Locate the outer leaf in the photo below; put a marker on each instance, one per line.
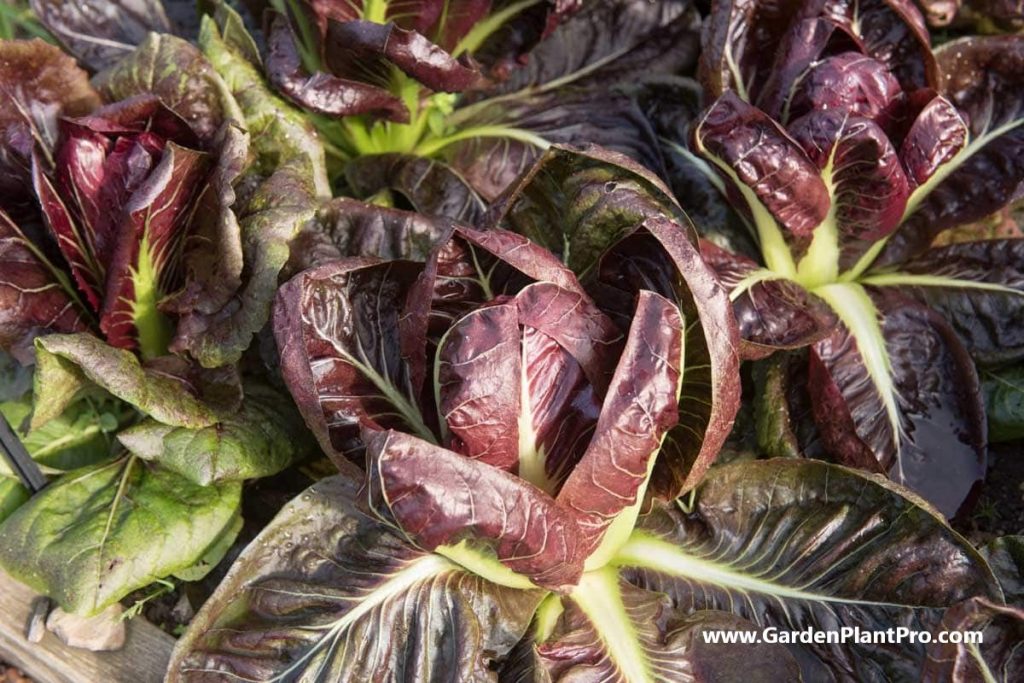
(175, 71)
(574, 89)
(900, 396)
(979, 288)
(81, 436)
(799, 543)
(337, 328)
(69, 363)
(997, 658)
(99, 32)
(258, 441)
(314, 593)
(432, 188)
(577, 202)
(639, 410)
(1006, 557)
(38, 83)
(983, 78)
(440, 499)
(614, 631)
(353, 45)
(35, 297)
(290, 175)
(347, 227)
(99, 533)
(12, 496)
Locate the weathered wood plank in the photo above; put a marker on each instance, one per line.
(142, 660)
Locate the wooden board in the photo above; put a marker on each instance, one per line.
(142, 660)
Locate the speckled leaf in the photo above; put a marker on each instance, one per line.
(259, 440)
(99, 533)
(69, 363)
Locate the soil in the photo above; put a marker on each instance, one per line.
(10, 674)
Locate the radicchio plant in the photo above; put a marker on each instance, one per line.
(479, 88)
(847, 156)
(510, 418)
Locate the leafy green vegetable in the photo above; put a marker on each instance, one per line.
(100, 532)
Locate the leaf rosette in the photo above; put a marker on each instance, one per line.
(846, 157)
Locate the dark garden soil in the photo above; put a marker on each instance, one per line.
(1000, 508)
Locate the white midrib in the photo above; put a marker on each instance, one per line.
(599, 597)
(773, 245)
(417, 571)
(855, 309)
(645, 551)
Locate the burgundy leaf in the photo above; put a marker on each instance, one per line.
(38, 83)
(155, 219)
(337, 329)
(478, 375)
(757, 153)
(322, 92)
(990, 322)
(638, 411)
(1002, 633)
(438, 497)
(350, 44)
(34, 296)
(869, 189)
(938, 133)
(773, 313)
(851, 84)
(936, 446)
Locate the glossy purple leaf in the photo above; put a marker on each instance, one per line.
(438, 497)
(155, 219)
(984, 78)
(989, 321)
(640, 408)
(937, 135)
(322, 92)
(850, 83)
(999, 651)
(868, 187)
(935, 444)
(772, 313)
(351, 45)
(752, 152)
(338, 332)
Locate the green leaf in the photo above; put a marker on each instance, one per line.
(1003, 390)
(80, 436)
(258, 440)
(792, 543)
(12, 496)
(215, 553)
(326, 593)
(288, 178)
(69, 364)
(175, 71)
(101, 532)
